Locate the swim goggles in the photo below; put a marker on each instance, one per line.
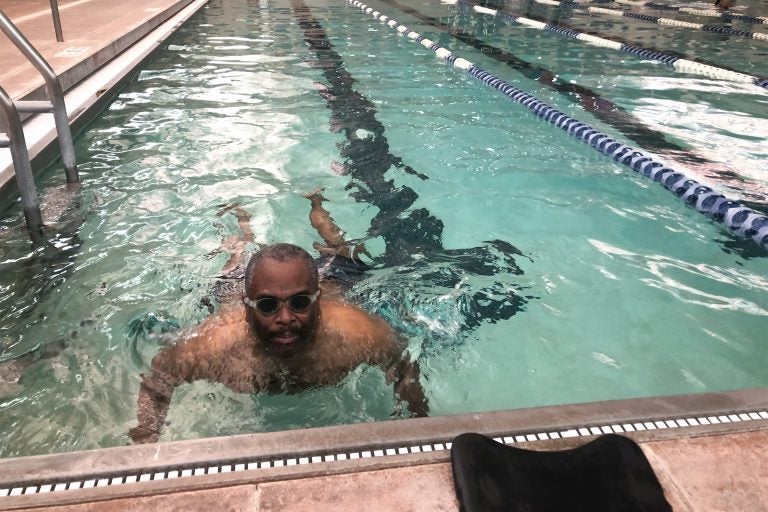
(268, 306)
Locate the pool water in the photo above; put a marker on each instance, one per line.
(524, 267)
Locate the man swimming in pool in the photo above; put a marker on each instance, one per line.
(291, 332)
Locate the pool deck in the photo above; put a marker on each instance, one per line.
(94, 32)
(104, 40)
(703, 467)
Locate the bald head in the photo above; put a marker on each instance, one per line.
(280, 252)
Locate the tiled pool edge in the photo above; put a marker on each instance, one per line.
(257, 458)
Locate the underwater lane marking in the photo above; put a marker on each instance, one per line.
(739, 219)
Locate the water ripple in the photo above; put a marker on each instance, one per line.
(711, 286)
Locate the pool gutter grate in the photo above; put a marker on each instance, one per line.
(508, 438)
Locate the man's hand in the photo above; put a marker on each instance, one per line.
(143, 435)
(408, 386)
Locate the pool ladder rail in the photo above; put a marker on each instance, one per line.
(14, 139)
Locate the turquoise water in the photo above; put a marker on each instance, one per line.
(524, 268)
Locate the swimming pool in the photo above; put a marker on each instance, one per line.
(514, 257)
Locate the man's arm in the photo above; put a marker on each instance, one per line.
(359, 337)
(154, 397)
(398, 365)
(195, 356)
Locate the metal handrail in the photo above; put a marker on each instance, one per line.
(56, 21)
(54, 93)
(21, 165)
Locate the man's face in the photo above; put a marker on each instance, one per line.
(285, 332)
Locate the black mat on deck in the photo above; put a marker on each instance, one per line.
(610, 473)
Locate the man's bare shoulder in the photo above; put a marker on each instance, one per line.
(221, 330)
(348, 317)
(362, 333)
(222, 333)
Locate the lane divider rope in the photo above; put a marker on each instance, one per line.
(656, 19)
(711, 13)
(740, 219)
(678, 63)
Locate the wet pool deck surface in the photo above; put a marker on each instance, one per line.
(702, 469)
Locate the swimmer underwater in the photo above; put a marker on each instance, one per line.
(291, 331)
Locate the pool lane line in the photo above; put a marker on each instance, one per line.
(741, 220)
(658, 20)
(710, 13)
(603, 109)
(585, 430)
(678, 63)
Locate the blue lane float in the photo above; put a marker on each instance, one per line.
(657, 19)
(680, 64)
(712, 13)
(740, 219)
